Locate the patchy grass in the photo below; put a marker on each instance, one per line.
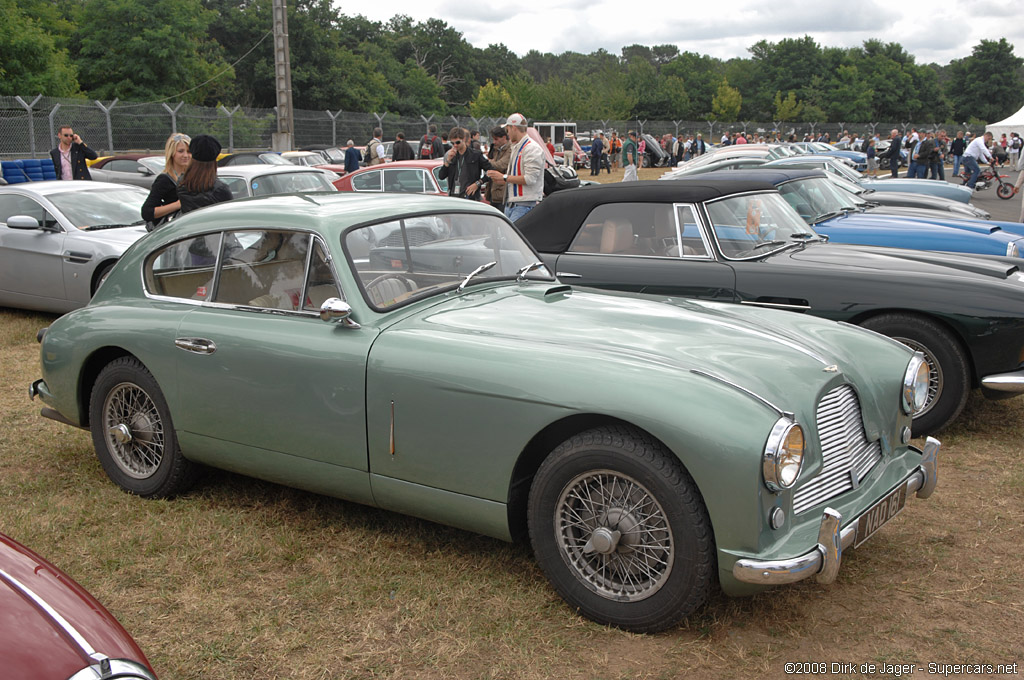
(245, 579)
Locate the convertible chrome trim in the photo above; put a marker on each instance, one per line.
(823, 561)
(775, 305)
(742, 389)
(1005, 382)
(49, 611)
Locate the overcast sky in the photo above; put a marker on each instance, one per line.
(931, 30)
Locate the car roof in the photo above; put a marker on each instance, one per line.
(415, 163)
(328, 211)
(552, 225)
(250, 171)
(51, 187)
(774, 175)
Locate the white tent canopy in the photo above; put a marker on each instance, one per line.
(1014, 123)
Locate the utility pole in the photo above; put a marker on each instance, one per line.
(284, 138)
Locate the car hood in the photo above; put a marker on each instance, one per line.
(120, 235)
(917, 218)
(767, 352)
(926, 263)
(33, 641)
(968, 236)
(920, 186)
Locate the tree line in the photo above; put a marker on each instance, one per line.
(212, 51)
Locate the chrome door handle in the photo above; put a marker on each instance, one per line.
(196, 345)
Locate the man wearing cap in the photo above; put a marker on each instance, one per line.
(525, 175)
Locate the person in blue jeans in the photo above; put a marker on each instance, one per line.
(977, 151)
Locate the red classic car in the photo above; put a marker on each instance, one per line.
(406, 177)
(50, 627)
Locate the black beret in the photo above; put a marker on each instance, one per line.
(204, 148)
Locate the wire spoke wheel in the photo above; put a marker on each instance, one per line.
(134, 430)
(935, 380)
(615, 535)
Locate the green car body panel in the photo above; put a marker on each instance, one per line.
(443, 407)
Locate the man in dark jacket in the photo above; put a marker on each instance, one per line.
(352, 157)
(402, 151)
(431, 146)
(463, 167)
(893, 152)
(596, 151)
(70, 155)
(924, 155)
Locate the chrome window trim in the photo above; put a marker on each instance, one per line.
(703, 226)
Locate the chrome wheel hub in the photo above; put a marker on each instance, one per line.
(614, 535)
(135, 435)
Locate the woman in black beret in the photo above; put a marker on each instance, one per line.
(199, 185)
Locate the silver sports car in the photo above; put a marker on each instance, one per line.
(59, 239)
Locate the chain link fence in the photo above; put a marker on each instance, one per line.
(28, 126)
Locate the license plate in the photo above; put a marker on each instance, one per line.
(882, 511)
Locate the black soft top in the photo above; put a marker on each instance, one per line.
(551, 226)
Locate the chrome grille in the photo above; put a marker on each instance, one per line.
(844, 447)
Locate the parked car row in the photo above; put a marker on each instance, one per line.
(667, 403)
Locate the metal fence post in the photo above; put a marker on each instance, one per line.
(174, 115)
(31, 123)
(380, 120)
(334, 126)
(53, 112)
(426, 123)
(110, 130)
(231, 126)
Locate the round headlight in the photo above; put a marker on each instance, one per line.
(915, 385)
(1012, 250)
(783, 455)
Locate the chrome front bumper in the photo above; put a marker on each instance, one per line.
(823, 561)
(1005, 382)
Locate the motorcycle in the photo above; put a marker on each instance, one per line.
(985, 179)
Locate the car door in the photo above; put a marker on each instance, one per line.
(661, 249)
(127, 171)
(266, 385)
(31, 260)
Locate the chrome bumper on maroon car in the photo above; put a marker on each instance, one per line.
(823, 561)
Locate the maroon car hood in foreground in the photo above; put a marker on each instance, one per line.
(49, 625)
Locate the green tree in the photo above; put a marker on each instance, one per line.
(146, 51)
(491, 100)
(987, 84)
(850, 97)
(32, 62)
(726, 103)
(788, 108)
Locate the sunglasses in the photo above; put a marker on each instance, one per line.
(181, 138)
(456, 142)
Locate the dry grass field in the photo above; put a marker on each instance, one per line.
(243, 579)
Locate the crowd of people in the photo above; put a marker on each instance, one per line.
(510, 173)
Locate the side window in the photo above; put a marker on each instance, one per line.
(184, 269)
(617, 229)
(688, 241)
(367, 181)
(12, 204)
(122, 165)
(236, 185)
(443, 183)
(321, 284)
(262, 268)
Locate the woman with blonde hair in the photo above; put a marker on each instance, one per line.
(162, 201)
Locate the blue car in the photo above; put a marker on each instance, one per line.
(914, 186)
(858, 158)
(833, 213)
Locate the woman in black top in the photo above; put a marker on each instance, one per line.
(199, 186)
(163, 195)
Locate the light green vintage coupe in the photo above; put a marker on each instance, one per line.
(411, 353)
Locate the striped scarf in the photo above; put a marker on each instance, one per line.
(515, 167)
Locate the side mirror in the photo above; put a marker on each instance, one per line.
(23, 222)
(336, 310)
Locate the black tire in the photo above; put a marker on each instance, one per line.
(950, 378)
(614, 479)
(1004, 190)
(133, 434)
(101, 276)
(645, 162)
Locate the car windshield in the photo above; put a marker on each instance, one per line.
(410, 258)
(92, 208)
(154, 163)
(275, 159)
(291, 182)
(335, 154)
(816, 199)
(755, 225)
(307, 159)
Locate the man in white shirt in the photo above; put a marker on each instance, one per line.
(977, 151)
(525, 175)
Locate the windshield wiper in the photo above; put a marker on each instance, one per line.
(829, 215)
(96, 227)
(479, 270)
(523, 271)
